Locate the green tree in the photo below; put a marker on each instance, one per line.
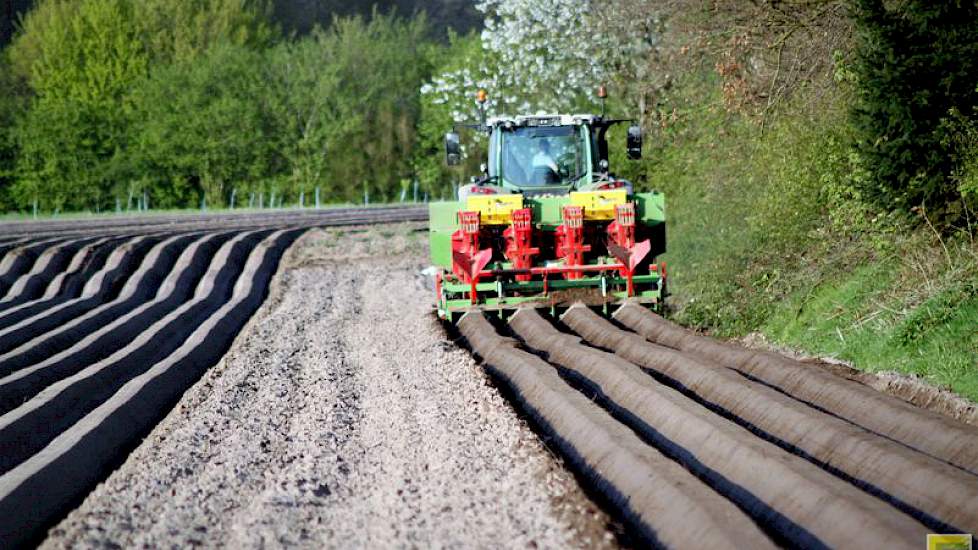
(201, 128)
(310, 117)
(380, 68)
(448, 98)
(12, 106)
(187, 101)
(915, 62)
(182, 30)
(79, 59)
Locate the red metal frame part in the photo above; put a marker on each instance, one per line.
(556, 270)
(622, 245)
(519, 240)
(622, 230)
(570, 240)
(467, 259)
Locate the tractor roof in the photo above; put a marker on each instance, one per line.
(542, 120)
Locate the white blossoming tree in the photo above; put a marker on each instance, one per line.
(536, 55)
(545, 53)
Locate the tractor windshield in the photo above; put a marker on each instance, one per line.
(540, 156)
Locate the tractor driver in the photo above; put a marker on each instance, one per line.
(545, 168)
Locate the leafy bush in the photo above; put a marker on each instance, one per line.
(201, 124)
(915, 61)
(963, 140)
(11, 105)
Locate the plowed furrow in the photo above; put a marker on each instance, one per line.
(48, 265)
(932, 433)
(928, 489)
(220, 222)
(8, 244)
(662, 501)
(105, 323)
(76, 269)
(137, 344)
(50, 481)
(101, 286)
(784, 494)
(88, 264)
(160, 285)
(18, 261)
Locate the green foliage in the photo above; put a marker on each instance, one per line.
(201, 125)
(182, 30)
(66, 149)
(327, 111)
(934, 313)
(963, 140)
(82, 60)
(312, 119)
(88, 51)
(191, 102)
(380, 68)
(769, 234)
(79, 59)
(912, 312)
(915, 61)
(11, 107)
(438, 115)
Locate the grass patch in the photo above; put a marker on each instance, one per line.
(862, 318)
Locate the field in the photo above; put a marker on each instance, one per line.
(280, 380)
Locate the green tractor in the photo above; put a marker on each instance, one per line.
(547, 224)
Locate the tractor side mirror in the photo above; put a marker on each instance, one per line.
(634, 142)
(453, 149)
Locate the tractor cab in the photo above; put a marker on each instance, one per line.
(546, 155)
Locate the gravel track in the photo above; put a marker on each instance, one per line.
(325, 426)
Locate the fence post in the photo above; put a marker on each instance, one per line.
(302, 199)
(261, 200)
(317, 197)
(415, 189)
(35, 208)
(234, 196)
